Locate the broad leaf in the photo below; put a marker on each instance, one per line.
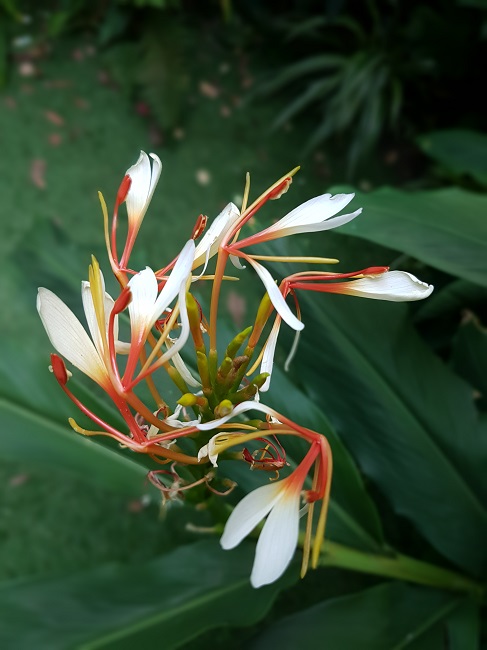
(408, 419)
(443, 228)
(34, 412)
(460, 151)
(167, 601)
(470, 354)
(391, 616)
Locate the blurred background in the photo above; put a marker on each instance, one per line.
(362, 95)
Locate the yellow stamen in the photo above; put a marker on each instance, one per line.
(320, 528)
(115, 270)
(308, 260)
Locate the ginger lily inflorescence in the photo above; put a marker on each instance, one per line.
(220, 411)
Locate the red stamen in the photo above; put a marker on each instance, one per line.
(199, 227)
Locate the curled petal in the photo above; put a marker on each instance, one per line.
(395, 286)
(240, 408)
(276, 296)
(269, 351)
(143, 287)
(69, 337)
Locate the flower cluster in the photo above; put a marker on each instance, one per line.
(170, 334)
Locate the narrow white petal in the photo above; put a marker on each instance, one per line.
(276, 297)
(248, 512)
(240, 408)
(156, 174)
(68, 336)
(185, 329)
(395, 286)
(319, 227)
(178, 277)
(143, 287)
(181, 367)
(215, 233)
(137, 196)
(237, 262)
(313, 211)
(277, 541)
(90, 313)
(269, 351)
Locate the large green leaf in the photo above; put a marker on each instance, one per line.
(470, 354)
(460, 151)
(391, 616)
(34, 412)
(165, 602)
(444, 228)
(408, 419)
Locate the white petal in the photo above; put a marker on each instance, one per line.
(178, 278)
(68, 336)
(396, 286)
(236, 262)
(144, 181)
(215, 233)
(276, 297)
(313, 211)
(248, 512)
(240, 408)
(269, 351)
(277, 541)
(143, 287)
(181, 367)
(210, 450)
(319, 227)
(185, 329)
(90, 313)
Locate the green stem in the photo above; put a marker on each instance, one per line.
(397, 566)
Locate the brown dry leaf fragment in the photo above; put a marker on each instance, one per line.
(209, 90)
(37, 173)
(55, 139)
(54, 118)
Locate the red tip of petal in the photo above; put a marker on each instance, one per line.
(123, 190)
(59, 369)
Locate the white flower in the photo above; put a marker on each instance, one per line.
(279, 536)
(144, 179)
(211, 240)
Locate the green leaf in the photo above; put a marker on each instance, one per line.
(391, 616)
(464, 626)
(453, 298)
(469, 356)
(34, 412)
(409, 421)
(461, 151)
(443, 228)
(169, 600)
